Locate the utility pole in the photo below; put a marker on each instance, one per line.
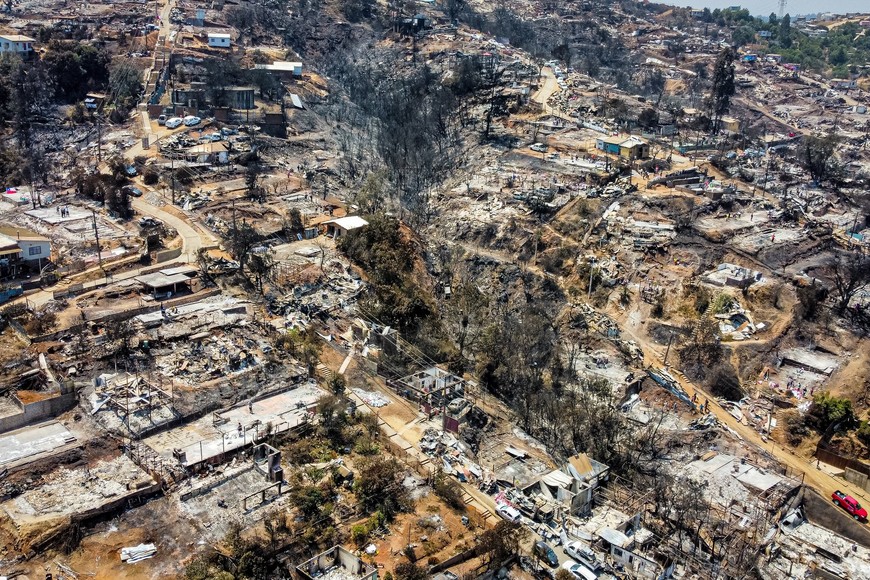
(172, 171)
(99, 141)
(97, 236)
(591, 270)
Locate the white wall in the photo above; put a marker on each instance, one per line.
(221, 42)
(34, 250)
(6, 46)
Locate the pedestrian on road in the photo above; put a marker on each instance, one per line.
(706, 405)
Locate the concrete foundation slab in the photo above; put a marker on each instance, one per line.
(214, 435)
(29, 443)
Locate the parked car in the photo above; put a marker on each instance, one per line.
(133, 191)
(539, 147)
(174, 122)
(190, 120)
(509, 513)
(545, 553)
(850, 504)
(161, 120)
(578, 571)
(149, 222)
(581, 552)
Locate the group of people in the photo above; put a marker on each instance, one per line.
(63, 210)
(705, 408)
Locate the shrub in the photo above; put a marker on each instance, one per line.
(359, 533)
(150, 177)
(828, 411)
(863, 432)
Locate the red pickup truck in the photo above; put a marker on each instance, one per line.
(850, 504)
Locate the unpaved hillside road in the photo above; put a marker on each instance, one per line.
(815, 478)
(546, 90)
(192, 239)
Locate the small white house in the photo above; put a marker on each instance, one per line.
(16, 43)
(218, 40)
(32, 246)
(282, 67)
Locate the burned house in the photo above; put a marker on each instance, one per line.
(433, 387)
(336, 564)
(572, 487)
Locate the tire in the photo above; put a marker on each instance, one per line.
(856, 518)
(835, 502)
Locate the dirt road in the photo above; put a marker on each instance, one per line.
(192, 239)
(812, 476)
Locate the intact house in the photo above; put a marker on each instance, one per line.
(219, 40)
(339, 227)
(23, 247)
(627, 148)
(16, 43)
(281, 68)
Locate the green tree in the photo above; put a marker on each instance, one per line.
(785, 31)
(337, 384)
(817, 154)
(723, 86)
(838, 56)
(830, 413)
(743, 35)
(125, 84)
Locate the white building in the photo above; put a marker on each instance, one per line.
(31, 246)
(282, 67)
(16, 43)
(217, 40)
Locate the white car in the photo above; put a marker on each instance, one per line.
(509, 513)
(539, 147)
(190, 120)
(581, 552)
(578, 571)
(173, 122)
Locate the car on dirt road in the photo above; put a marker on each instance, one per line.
(191, 120)
(174, 122)
(545, 553)
(850, 504)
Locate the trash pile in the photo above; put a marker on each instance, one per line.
(454, 460)
(371, 399)
(138, 553)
